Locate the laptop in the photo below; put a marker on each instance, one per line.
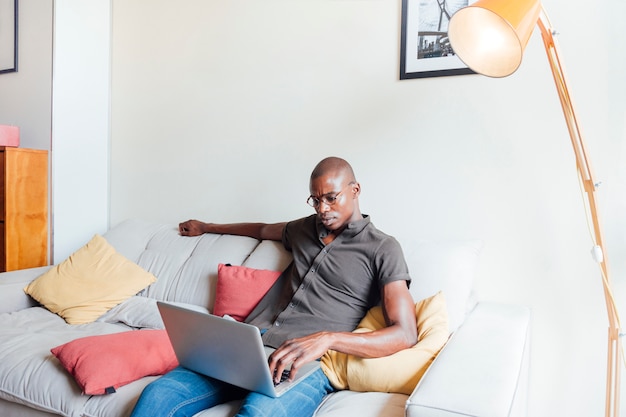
(224, 349)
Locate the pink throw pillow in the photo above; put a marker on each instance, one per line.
(239, 289)
(101, 364)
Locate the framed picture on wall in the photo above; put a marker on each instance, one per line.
(425, 47)
(8, 36)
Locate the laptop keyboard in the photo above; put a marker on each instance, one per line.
(283, 377)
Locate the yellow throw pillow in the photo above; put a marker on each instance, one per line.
(401, 371)
(89, 283)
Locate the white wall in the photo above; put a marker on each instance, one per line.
(80, 157)
(25, 95)
(220, 110)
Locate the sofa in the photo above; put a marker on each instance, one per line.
(482, 370)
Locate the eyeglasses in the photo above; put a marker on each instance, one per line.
(327, 199)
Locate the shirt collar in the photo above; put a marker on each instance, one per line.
(353, 228)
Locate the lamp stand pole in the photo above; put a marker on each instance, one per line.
(585, 173)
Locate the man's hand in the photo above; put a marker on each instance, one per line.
(297, 352)
(191, 228)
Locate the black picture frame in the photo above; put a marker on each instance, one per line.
(8, 35)
(425, 50)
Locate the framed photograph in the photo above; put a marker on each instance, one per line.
(425, 47)
(8, 36)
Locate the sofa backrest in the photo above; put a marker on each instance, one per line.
(447, 266)
(186, 267)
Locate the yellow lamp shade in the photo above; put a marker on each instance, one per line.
(490, 35)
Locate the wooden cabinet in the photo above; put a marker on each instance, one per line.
(23, 208)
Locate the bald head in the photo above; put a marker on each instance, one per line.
(334, 166)
(335, 194)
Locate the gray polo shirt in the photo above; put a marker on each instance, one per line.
(328, 287)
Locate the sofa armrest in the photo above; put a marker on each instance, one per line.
(482, 370)
(12, 296)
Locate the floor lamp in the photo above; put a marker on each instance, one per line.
(490, 36)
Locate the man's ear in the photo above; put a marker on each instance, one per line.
(356, 189)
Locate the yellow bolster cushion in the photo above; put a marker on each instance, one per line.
(401, 371)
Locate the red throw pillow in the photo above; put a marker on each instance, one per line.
(101, 364)
(239, 289)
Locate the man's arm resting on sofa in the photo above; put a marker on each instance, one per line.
(483, 369)
(12, 296)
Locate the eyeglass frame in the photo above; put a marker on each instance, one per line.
(326, 199)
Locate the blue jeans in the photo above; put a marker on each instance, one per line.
(182, 392)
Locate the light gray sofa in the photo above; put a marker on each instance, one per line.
(482, 370)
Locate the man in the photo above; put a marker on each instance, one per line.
(342, 266)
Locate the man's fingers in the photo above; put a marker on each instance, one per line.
(279, 360)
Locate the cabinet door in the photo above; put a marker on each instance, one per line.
(25, 208)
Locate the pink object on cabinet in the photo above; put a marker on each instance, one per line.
(9, 135)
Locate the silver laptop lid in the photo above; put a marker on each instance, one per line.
(223, 349)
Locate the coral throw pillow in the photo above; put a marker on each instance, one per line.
(239, 289)
(101, 364)
(401, 371)
(89, 283)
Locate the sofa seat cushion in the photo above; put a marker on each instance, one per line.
(120, 404)
(29, 373)
(362, 404)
